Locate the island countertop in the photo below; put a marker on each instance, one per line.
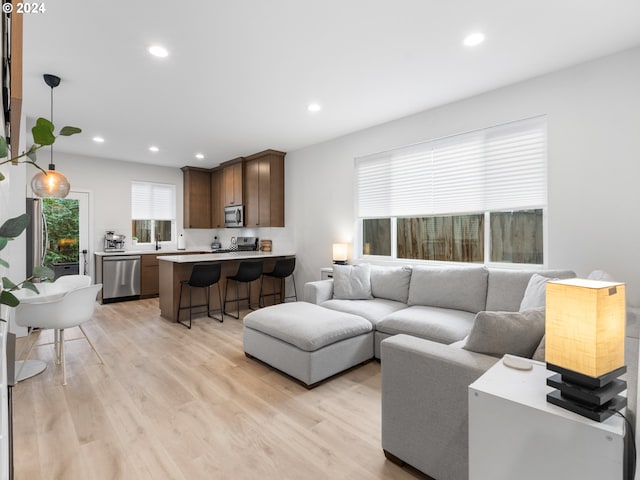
(215, 257)
(173, 269)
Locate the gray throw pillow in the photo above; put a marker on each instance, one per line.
(540, 351)
(352, 282)
(498, 333)
(535, 296)
(390, 282)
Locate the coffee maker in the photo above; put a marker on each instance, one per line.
(113, 242)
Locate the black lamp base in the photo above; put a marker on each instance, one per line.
(339, 262)
(592, 397)
(599, 414)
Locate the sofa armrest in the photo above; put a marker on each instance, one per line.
(425, 403)
(318, 292)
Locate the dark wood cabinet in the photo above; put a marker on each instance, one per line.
(217, 198)
(256, 182)
(232, 182)
(197, 197)
(149, 276)
(264, 189)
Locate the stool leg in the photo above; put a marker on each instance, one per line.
(282, 290)
(64, 363)
(221, 319)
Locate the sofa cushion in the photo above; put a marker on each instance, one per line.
(352, 282)
(506, 287)
(391, 283)
(442, 325)
(459, 288)
(498, 333)
(373, 310)
(535, 295)
(305, 325)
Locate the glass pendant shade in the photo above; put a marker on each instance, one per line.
(50, 184)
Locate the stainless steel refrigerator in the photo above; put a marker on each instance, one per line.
(36, 234)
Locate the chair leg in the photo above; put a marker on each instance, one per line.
(221, 319)
(293, 281)
(64, 363)
(226, 300)
(91, 344)
(282, 290)
(180, 309)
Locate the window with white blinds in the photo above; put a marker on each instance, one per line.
(153, 201)
(476, 197)
(497, 168)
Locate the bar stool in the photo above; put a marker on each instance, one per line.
(283, 268)
(203, 275)
(247, 273)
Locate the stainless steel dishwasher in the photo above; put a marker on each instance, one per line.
(120, 277)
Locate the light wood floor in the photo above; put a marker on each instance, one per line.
(173, 403)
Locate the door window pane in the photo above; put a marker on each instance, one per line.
(63, 231)
(376, 236)
(516, 237)
(455, 238)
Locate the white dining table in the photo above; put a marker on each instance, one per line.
(47, 292)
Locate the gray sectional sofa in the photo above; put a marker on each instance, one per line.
(437, 303)
(421, 317)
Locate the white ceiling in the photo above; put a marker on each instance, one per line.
(240, 74)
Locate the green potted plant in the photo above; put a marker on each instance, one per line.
(43, 135)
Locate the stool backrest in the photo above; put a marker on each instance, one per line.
(284, 267)
(205, 274)
(249, 271)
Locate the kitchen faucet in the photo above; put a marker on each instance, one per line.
(158, 247)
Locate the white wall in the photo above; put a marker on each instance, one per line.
(593, 113)
(109, 184)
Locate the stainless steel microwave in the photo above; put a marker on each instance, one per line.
(234, 216)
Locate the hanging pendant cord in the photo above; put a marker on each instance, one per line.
(51, 165)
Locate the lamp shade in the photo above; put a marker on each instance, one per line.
(50, 184)
(340, 253)
(585, 326)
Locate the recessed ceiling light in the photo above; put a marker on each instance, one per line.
(154, 149)
(158, 51)
(98, 139)
(474, 39)
(199, 156)
(314, 107)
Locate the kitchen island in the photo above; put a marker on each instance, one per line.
(175, 268)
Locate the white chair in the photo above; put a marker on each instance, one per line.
(70, 282)
(71, 310)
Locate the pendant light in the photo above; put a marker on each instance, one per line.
(50, 184)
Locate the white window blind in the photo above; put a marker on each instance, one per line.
(497, 168)
(153, 201)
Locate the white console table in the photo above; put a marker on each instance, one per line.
(515, 433)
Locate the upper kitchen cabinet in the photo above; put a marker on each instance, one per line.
(197, 197)
(264, 189)
(232, 182)
(217, 198)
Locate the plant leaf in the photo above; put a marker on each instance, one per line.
(4, 263)
(8, 298)
(2, 177)
(3, 242)
(43, 132)
(3, 147)
(14, 226)
(41, 271)
(31, 155)
(8, 284)
(67, 131)
(30, 286)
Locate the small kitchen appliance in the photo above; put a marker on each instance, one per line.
(234, 216)
(113, 242)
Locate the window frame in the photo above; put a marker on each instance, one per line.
(358, 246)
(174, 231)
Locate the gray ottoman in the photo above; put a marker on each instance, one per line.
(308, 342)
